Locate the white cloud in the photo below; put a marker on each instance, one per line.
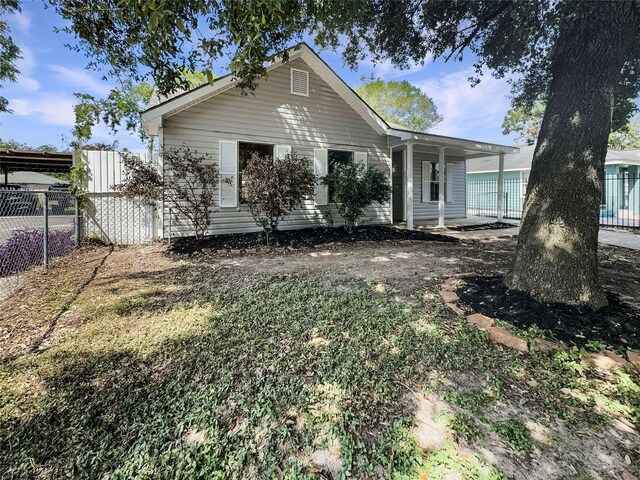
(79, 77)
(386, 70)
(468, 109)
(28, 84)
(26, 66)
(51, 108)
(21, 20)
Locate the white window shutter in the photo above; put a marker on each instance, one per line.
(321, 167)
(228, 173)
(449, 168)
(281, 151)
(426, 181)
(361, 157)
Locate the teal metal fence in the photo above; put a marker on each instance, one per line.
(620, 205)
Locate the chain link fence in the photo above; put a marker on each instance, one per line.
(35, 226)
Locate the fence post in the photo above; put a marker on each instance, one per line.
(500, 205)
(77, 213)
(45, 236)
(506, 203)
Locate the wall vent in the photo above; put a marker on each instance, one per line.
(299, 82)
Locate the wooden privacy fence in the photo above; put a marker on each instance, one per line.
(108, 216)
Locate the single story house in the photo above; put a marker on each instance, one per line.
(303, 105)
(620, 199)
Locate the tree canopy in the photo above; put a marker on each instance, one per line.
(401, 103)
(526, 125)
(121, 108)
(15, 145)
(159, 40)
(9, 51)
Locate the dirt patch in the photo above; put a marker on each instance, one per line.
(303, 238)
(41, 311)
(617, 325)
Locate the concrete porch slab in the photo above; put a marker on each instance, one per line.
(607, 236)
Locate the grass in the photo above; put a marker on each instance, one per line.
(251, 379)
(515, 433)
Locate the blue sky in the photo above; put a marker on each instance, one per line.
(42, 99)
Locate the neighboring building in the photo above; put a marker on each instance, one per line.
(620, 199)
(34, 180)
(303, 105)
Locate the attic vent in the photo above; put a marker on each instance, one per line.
(299, 82)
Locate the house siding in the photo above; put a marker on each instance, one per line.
(456, 208)
(274, 115)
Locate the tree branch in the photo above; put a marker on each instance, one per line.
(479, 26)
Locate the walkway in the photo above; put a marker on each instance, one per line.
(616, 237)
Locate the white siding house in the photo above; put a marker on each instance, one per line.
(302, 105)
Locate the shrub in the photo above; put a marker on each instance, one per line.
(24, 249)
(188, 184)
(354, 187)
(273, 188)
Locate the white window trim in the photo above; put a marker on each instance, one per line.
(353, 160)
(523, 185)
(445, 184)
(291, 82)
(240, 204)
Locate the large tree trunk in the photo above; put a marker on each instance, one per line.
(556, 257)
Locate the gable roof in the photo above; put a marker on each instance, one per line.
(152, 117)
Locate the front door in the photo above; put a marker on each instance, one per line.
(398, 186)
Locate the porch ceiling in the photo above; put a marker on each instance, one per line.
(460, 147)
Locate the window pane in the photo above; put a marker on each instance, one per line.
(435, 188)
(434, 192)
(245, 151)
(337, 157)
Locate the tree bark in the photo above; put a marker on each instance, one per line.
(556, 256)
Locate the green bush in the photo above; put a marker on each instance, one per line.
(273, 188)
(355, 187)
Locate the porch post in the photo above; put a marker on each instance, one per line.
(501, 188)
(392, 186)
(441, 186)
(409, 173)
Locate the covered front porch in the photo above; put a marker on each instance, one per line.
(429, 175)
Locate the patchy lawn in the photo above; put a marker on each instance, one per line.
(326, 363)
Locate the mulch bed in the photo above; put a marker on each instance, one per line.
(303, 238)
(482, 226)
(617, 325)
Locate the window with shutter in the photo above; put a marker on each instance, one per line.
(431, 182)
(339, 157)
(245, 151)
(299, 82)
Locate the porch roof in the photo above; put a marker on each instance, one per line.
(455, 146)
